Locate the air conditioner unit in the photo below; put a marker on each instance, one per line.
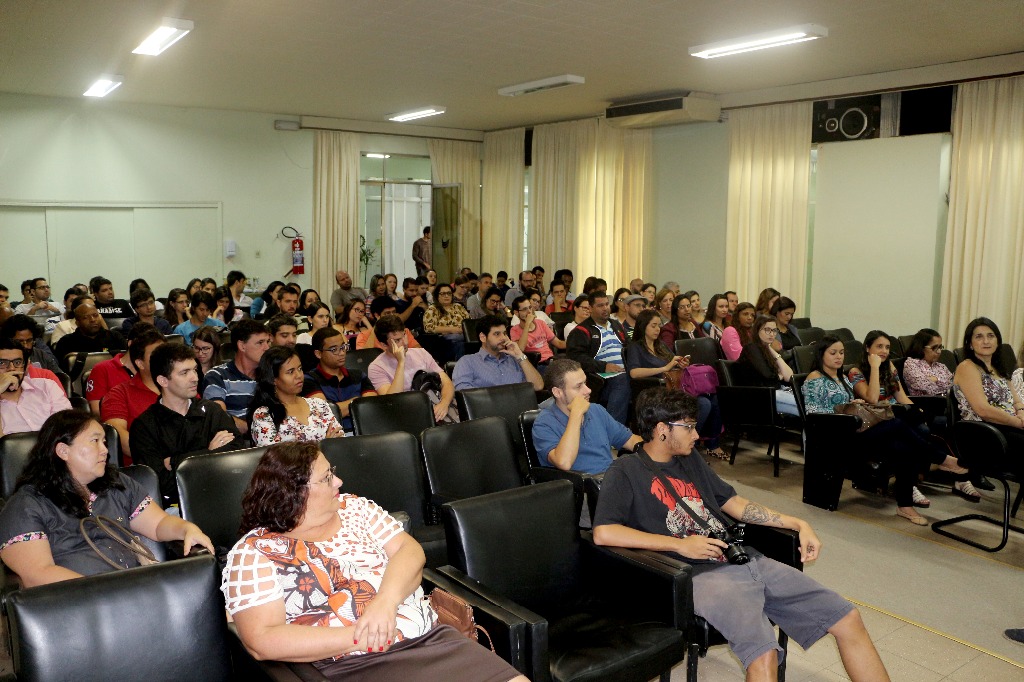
(663, 112)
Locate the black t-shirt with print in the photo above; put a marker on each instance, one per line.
(632, 496)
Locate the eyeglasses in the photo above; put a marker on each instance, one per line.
(937, 347)
(444, 293)
(326, 480)
(43, 286)
(8, 364)
(334, 350)
(770, 331)
(200, 349)
(690, 428)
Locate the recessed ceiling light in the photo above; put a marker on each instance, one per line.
(760, 41)
(104, 85)
(170, 32)
(542, 84)
(413, 114)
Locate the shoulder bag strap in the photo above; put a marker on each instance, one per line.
(645, 458)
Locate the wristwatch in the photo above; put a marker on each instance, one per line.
(523, 357)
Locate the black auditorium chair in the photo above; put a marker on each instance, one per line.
(854, 351)
(800, 323)
(468, 459)
(841, 333)
(14, 452)
(65, 381)
(803, 358)
(508, 402)
(702, 351)
(592, 613)
(75, 630)
(388, 469)
(775, 543)
(210, 488)
(809, 335)
(175, 338)
(78, 403)
(752, 409)
(409, 411)
(77, 368)
(560, 320)
(360, 359)
(1005, 350)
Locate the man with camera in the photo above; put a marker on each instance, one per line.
(662, 499)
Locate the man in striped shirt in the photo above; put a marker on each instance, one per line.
(597, 344)
(232, 384)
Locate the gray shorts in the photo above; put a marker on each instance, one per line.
(739, 601)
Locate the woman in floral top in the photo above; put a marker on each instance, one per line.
(278, 412)
(334, 580)
(983, 391)
(875, 379)
(445, 317)
(68, 478)
(901, 447)
(922, 370)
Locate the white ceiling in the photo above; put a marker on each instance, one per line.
(364, 59)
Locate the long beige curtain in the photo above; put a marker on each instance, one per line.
(453, 161)
(503, 178)
(335, 208)
(984, 256)
(766, 222)
(591, 198)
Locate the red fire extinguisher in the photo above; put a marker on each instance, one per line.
(298, 255)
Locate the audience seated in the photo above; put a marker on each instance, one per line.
(765, 300)
(875, 379)
(237, 281)
(474, 304)
(529, 332)
(581, 311)
(330, 379)
(180, 424)
(499, 360)
(559, 301)
(597, 344)
(287, 303)
(283, 330)
(27, 333)
(698, 312)
(717, 317)
(345, 293)
(571, 433)
(90, 336)
(681, 326)
(761, 365)
(67, 478)
(783, 310)
(144, 304)
(109, 306)
(25, 402)
(412, 306)
(313, 556)
(663, 301)
(366, 339)
(67, 323)
(206, 343)
(200, 315)
(636, 510)
(394, 370)
(444, 317)
(923, 373)
(176, 310)
(231, 384)
(278, 411)
(739, 332)
(318, 316)
(892, 441)
(225, 309)
(127, 400)
(109, 373)
(40, 304)
(265, 301)
(527, 280)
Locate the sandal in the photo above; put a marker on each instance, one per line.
(913, 517)
(919, 499)
(719, 453)
(965, 490)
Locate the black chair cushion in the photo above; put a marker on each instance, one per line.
(14, 452)
(210, 488)
(155, 623)
(469, 459)
(409, 411)
(589, 645)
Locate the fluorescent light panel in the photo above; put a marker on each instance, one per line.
(760, 41)
(377, 156)
(170, 32)
(542, 84)
(412, 115)
(104, 85)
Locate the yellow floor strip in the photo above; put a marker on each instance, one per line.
(936, 632)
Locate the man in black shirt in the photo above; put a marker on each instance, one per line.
(109, 307)
(637, 510)
(89, 337)
(179, 424)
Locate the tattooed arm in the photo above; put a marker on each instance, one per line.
(751, 512)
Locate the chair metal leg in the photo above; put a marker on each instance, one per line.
(666, 676)
(784, 643)
(735, 449)
(692, 655)
(939, 526)
(1017, 501)
(775, 458)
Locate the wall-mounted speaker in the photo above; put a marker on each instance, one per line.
(849, 118)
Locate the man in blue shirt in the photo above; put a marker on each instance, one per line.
(572, 433)
(330, 379)
(499, 361)
(232, 384)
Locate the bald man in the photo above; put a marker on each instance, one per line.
(89, 337)
(345, 293)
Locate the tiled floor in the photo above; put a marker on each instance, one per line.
(910, 653)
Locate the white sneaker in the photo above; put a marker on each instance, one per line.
(919, 499)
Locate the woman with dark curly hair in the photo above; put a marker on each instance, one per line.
(68, 478)
(334, 580)
(278, 411)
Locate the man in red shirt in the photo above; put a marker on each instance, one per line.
(109, 373)
(128, 400)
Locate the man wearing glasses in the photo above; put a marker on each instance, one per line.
(41, 304)
(25, 403)
(330, 379)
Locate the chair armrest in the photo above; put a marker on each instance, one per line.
(248, 668)
(545, 474)
(506, 630)
(837, 423)
(932, 405)
(780, 544)
(660, 587)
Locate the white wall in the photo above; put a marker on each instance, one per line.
(691, 186)
(78, 151)
(878, 234)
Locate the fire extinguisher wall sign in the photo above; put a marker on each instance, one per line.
(298, 258)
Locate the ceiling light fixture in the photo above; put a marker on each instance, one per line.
(543, 84)
(412, 115)
(170, 32)
(760, 41)
(104, 85)
(377, 156)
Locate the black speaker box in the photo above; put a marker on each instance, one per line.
(928, 110)
(849, 118)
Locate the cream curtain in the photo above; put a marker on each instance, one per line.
(591, 198)
(983, 273)
(452, 161)
(503, 178)
(335, 209)
(766, 223)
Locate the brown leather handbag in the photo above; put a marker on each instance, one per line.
(452, 610)
(870, 415)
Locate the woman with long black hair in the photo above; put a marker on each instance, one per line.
(278, 412)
